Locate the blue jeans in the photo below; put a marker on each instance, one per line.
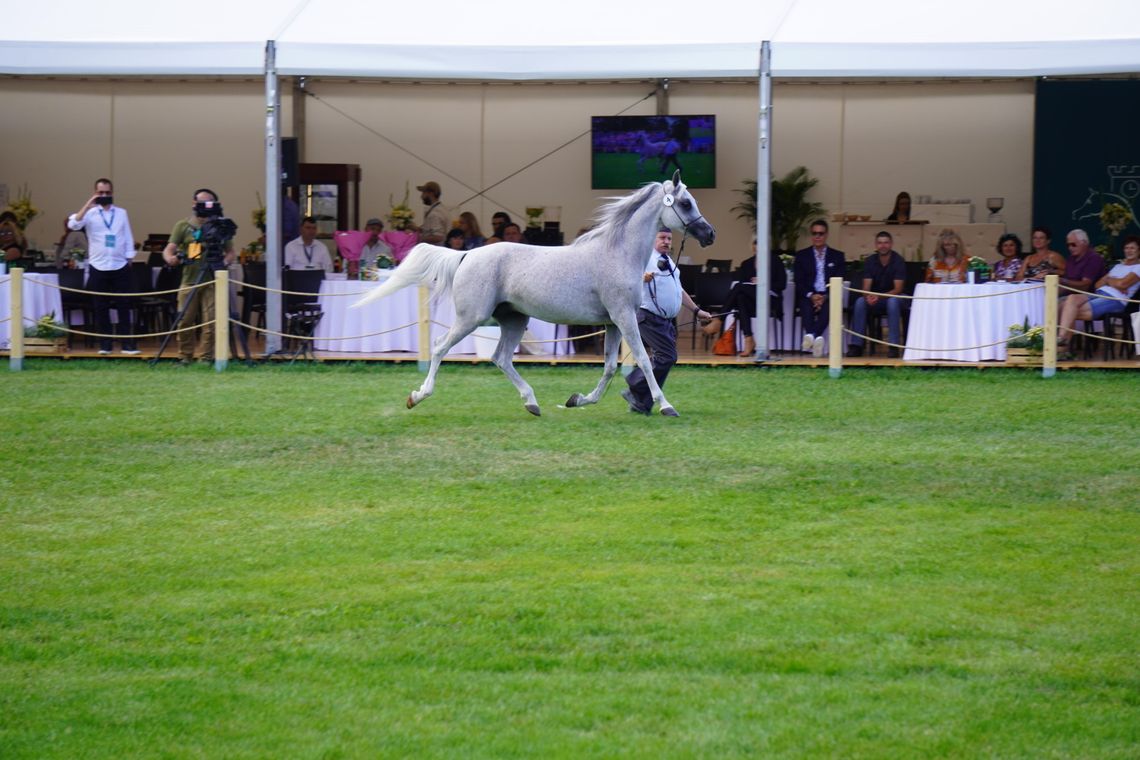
(893, 309)
(1101, 306)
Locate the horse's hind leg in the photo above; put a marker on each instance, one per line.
(612, 349)
(512, 326)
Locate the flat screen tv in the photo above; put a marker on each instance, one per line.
(628, 151)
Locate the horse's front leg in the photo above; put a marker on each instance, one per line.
(612, 345)
(627, 323)
(453, 336)
(512, 328)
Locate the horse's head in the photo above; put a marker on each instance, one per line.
(679, 211)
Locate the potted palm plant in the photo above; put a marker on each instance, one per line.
(790, 208)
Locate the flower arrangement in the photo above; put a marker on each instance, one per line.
(46, 327)
(1113, 219)
(1024, 336)
(22, 208)
(980, 267)
(534, 216)
(401, 216)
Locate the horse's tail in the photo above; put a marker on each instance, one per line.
(425, 265)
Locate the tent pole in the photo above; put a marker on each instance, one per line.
(273, 245)
(763, 204)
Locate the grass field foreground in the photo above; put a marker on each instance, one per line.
(285, 562)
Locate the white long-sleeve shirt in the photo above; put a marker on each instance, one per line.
(110, 244)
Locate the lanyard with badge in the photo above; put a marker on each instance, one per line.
(109, 238)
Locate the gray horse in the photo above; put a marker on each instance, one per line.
(595, 280)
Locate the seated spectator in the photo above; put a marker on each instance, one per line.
(306, 252)
(455, 239)
(499, 219)
(1084, 266)
(472, 235)
(512, 233)
(901, 211)
(1122, 281)
(1042, 261)
(742, 299)
(374, 246)
(883, 272)
(950, 260)
(71, 243)
(813, 268)
(12, 243)
(1009, 265)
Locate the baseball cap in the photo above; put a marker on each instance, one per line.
(431, 186)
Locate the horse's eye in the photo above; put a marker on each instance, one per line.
(686, 204)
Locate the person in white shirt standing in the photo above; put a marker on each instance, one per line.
(110, 249)
(306, 252)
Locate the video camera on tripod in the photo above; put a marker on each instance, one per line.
(215, 234)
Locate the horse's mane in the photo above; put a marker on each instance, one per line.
(612, 217)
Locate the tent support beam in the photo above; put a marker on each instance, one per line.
(764, 204)
(273, 246)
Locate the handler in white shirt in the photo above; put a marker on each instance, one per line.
(110, 249)
(305, 252)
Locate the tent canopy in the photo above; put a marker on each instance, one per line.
(591, 39)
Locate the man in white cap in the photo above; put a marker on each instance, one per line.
(435, 226)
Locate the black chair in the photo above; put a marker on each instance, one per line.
(253, 298)
(73, 297)
(1124, 319)
(302, 308)
(711, 294)
(688, 274)
(718, 265)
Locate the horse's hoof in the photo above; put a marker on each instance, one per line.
(411, 401)
(533, 409)
(575, 400)
(669, 411)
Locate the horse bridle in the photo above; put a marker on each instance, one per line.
(668, 202)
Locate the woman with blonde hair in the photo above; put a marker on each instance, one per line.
(950, 260)
(472, 235)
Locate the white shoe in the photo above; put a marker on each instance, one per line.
(817, 347)
(806, 343)
(104, 352)
(130, 351)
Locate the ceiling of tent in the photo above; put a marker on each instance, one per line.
(517, 40)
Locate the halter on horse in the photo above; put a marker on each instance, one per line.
(594, 280)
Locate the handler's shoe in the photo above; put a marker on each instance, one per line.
(627, 394)
(817, 347)
(806, 343)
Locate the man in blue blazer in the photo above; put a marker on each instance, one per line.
(814, 266)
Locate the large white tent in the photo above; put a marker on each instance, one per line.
(513, 40)
(589, 39)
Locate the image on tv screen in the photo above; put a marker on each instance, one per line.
(628, 151)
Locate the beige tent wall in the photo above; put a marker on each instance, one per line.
(160, 140)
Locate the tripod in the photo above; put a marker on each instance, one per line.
(207, 266)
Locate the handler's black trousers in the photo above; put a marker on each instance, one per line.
(660, 338)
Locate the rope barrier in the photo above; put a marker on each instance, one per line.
(146, 294)
(940, 298)
(1098, 295)
(916, 348)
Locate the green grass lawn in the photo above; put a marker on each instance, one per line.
(284, 562)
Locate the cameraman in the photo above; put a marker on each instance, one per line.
(187, 247)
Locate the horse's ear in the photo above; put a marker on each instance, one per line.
(677, 178)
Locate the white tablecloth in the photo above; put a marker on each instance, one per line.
(937, 327)
(399, 310)
(38, 301)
